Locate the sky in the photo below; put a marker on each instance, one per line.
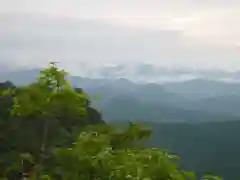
(195, 33)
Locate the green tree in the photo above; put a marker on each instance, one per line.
(48, 112)
(50, 141)
(96, 155)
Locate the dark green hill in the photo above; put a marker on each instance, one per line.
(129, 108)
(206, 147)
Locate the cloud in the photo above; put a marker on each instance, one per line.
(111, 71)
(33, 39)
(206, 21)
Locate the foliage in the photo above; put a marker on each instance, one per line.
(51, 93)
(48, 138)
(44, 114)
(95, 155)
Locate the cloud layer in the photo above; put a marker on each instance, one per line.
(172, 34)
(31, 39)
(205, 20)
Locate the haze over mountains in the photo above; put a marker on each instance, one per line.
(125, 66)
(121, 99)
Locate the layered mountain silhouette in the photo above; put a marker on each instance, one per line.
(121, 99)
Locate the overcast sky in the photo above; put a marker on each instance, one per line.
(208, 28)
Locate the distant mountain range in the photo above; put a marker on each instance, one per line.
(151, 72)
(121, 99)
(184, 117)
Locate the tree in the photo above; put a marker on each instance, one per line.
(62, 147)
(49, 111)
(96, 155)
(103, 152)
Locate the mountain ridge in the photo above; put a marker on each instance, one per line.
(162, 103)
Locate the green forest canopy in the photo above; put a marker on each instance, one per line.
(49, 131)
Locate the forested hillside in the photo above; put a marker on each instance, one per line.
(204, 148)
(211, 147)
(48, 132)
